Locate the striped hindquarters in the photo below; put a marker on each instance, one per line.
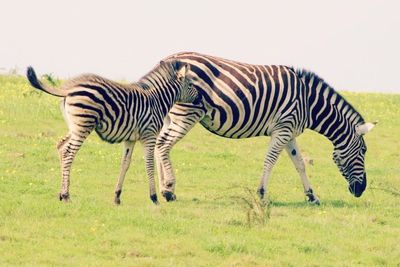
(112, 110)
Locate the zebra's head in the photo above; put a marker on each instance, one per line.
(180, 73)
(350, 160)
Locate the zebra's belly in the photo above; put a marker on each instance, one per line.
(242, 129)
(238, 118)
(253, 121)
(239, 132)
(109, 132)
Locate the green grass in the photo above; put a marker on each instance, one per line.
(208, 225)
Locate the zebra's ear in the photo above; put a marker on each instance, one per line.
(163, 64)
(183, 69)
(365, 127)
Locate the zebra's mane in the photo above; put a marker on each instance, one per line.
(97, 79)
(308, 75)
(145, 83)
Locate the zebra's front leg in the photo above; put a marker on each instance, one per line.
(165, 171)
(149, 145)
(294, 153)
(166, 140)
(182, 120)
(126, 161)
(161, 177)
(278, 141)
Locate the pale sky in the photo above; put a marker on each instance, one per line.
(354, 45)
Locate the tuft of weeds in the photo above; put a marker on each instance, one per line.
(49, 77)
(388, 189)
(257, 211)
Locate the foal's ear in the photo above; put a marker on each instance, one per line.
(365, 127)
(163, 64)
(183, 70)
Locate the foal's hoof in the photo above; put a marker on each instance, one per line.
(117, 201)
(64, 197)
(154, 199)
(169, 196)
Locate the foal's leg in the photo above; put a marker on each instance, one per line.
(67, 149)
(126, 161)
(294, 153)
(149, 144)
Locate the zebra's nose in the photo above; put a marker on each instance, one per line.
(357, 188)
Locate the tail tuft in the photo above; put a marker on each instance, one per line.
(31, 75)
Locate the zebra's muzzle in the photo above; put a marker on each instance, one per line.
(357, 188)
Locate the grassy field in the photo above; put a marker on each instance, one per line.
(208, 225)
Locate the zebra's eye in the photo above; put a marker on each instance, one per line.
(335, 157)
(338, 160)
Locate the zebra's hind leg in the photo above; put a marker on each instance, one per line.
(67, 149)
(278, 141)
(62, 142)
(126, 161)
(294, 153)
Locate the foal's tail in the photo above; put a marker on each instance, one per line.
(31, 75)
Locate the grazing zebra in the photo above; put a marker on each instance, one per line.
(242, 100)
(118, 113)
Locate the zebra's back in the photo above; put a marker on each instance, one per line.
(114, 110)
(243, 100)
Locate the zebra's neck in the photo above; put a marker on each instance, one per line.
(161, 89)
(329, 113)
(163, 98)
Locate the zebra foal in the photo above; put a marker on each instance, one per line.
(118, 113)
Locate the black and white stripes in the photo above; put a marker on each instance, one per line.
(242, 100)
(332, 116)
(230, 99)
(118, 113)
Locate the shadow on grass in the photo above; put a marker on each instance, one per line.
(229, 200)
(304, 204)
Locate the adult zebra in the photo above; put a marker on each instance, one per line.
(242, 100)
(118, 113)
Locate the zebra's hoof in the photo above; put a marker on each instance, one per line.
(312, 199)
(261, 193)
(117, 201)
(64, 197)
(315, 201)
(169, 196)
(154, 199)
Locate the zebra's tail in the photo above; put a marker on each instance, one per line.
(31, 75)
